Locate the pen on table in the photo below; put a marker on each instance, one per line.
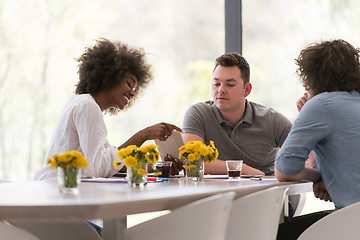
(163, 179)
(154, 179)
(256, 178)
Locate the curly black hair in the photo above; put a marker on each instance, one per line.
(105, 64)
(329, 66)
(235, 59)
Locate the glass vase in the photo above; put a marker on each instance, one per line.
(135, 179)
(196, 173)
(69, 179)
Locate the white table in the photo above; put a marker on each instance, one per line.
(42, 201)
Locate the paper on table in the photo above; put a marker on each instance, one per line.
(215, 176)
(171, 145)
(104, 180)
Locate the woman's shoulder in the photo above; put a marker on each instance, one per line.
(82, 102)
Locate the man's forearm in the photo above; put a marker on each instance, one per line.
(309, 174)
(219, 168)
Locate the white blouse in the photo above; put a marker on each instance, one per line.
(81, 127)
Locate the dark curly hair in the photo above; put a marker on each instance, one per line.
(234, 59)
(105, 64)
(329, 66)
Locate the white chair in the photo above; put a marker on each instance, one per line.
(257, 215)
(8, 231)
(341, 224)
(61, 231)
(205, 219)
(297, 203)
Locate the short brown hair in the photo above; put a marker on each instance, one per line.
(329, 66)
(105, 64)
(235, 59)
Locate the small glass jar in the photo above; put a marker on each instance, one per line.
(196, 173)
(135, 179)
(69, 179)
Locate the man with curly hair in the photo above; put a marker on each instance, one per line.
(328, 125)
(111, 75)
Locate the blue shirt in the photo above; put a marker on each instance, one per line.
(329, 124)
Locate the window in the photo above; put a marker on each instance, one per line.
(40, 39)
(274, 33)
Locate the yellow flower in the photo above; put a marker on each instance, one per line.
(144, 149)
(142, 171)
(48, 161)
(216, 154)
(182, 148)
(52, 163)
(157, 173)
(65, 158)
(190, 146)
(189, 166)
(129, 149)
(53, 160)
(80, 162)
(197, 145)
(212, 144)
(152, 147)
(152, 157)
(130, 161)
(197, 155)
(121, 153)
(136, 157)
(115, 164)
(191, 157)
(210, 149)
(182, 152)
(204, 150)
(71, 159)
(196, 150)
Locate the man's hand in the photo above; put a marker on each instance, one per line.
(176, 165)
(320, 191)
(300, 103)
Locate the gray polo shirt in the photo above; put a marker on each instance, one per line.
(256, 139)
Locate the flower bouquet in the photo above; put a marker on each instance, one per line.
(69, 174)
(196, 154)
(136, 160)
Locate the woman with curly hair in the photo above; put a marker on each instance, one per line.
(111, 75)
(328, 125)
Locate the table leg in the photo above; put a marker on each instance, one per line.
(114, 229)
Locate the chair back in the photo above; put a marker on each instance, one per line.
(205, 219)
(61, 231)
(8, 231)
(341, 224)
(256, 216)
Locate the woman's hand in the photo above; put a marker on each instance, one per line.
(159, 131)
(176, 165)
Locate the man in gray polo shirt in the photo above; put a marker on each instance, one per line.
(239, 128)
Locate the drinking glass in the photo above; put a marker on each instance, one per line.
(234, 168)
